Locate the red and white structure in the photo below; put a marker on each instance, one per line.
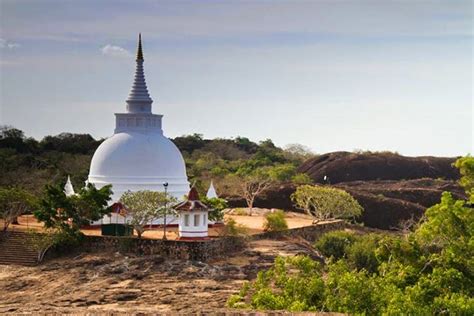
(192, 218)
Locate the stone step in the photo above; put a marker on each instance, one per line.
(14, 249)
(19, 255)
(17, 251)
(32, 258)
(28, 262)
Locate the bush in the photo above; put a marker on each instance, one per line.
(275, 221)
(240, 211)
(232, 228)
(301, 178)
(334, 244)
(361, 254)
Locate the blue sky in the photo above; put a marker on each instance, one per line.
(331, 75)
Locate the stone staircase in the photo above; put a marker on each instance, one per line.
(14, 249)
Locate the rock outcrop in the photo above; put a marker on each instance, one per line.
(345, 166)
(391, 188)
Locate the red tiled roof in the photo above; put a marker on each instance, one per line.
(192, 203)
(193, 195)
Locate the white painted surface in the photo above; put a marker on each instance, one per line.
(211, 192)
(193, 229)
(68, 188)
(138, 156)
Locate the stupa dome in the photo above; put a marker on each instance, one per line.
(138, 156)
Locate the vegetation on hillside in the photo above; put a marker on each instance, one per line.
(427, 271)
(31, 164)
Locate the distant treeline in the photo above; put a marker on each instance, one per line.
(29, 163)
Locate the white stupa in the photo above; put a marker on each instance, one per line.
(211, 192)
(68, 188)
(138, 156)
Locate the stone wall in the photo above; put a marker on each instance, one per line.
(174, 249)
(200, 250)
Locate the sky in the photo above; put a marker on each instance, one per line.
(331, 75)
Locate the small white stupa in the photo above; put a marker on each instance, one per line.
(68, 188)
(193, 217)
(138, 156)
(211, 192)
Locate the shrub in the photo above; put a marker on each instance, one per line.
(301, 178)
(361, 254)
(349, 291)
(275, 221)
(240, 211)
(334, 244)
(232, 228)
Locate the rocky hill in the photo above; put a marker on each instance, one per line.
(345, 166)
(391, 188)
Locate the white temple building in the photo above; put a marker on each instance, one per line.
(193, 218)
(138, 156)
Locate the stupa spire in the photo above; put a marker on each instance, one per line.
(140, 50)
(139, 100)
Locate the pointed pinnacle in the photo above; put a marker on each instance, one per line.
(140, 50)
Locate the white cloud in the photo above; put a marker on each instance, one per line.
(116, 51)
(7, 44)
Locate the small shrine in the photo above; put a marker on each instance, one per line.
(211, 193)
(68, 188)
(193, 217)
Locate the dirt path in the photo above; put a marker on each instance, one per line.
(111, 282)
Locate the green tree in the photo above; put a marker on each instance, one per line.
(216, 206)
(145, 206)
(335, 244)
(282, 172)
(69, 213)
(13, 203)
(466, 168)
(324, 203)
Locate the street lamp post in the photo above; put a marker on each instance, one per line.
(166, 205)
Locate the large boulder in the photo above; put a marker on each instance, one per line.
(386, 203)
(345, 166)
